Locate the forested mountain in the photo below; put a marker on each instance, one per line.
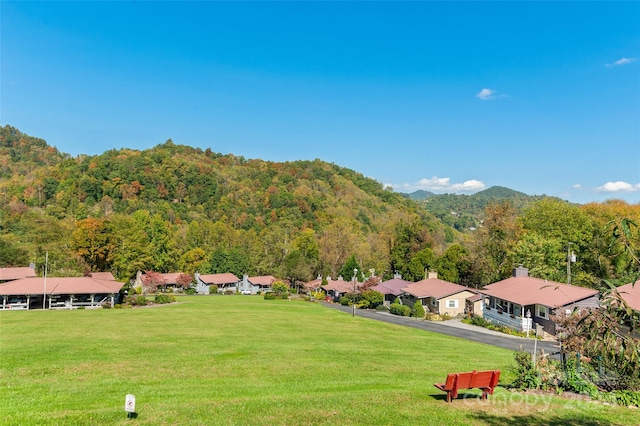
(467, 212)
(174, 208)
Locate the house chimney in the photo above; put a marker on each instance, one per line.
(397, 276)
(520, 271)
(432, 275)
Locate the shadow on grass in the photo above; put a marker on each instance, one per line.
(536, 420)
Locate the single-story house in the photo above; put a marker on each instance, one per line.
(58, 293)
(392, 288)
(313, 285)
(169, 281)
(521, 300)
(223, 282)
(10, 274)
(631, 294)
(257, 284)
(439, 296)
(338, 288)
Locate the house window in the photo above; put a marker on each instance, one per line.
(543, 311)
(452, 303)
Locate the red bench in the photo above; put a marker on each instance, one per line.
(484, 380)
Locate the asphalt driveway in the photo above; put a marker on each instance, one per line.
(457, 329)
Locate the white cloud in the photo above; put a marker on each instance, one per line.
(618, 186)
(621, 61)
(442, 185)
(486, 94)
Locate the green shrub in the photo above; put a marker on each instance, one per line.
(579, 378)
(280, 287)
(398, 309)
(162, 299)
(269, 295)
(526, 375)
(418, 310)
(138, 300)
(190, 291)
(382, 308)
(213, 289)
(372, 298)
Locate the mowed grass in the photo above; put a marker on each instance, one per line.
(241, 360)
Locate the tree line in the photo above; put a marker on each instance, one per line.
(174, 208)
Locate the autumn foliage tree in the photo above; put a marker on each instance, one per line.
(184, 280)
(152, 280)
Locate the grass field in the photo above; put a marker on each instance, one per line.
(241, 360)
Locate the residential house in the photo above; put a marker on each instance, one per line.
(338, 288)
(58, 293)
(313, 285)
(258, 284)
(169, 281)
(391, 289)
(226, 282)
(439, 296)
(631, 294)
(521, 301)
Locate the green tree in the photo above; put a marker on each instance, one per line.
(193, 260)
(453, 265)
(229, 261)
(12, 255)
(422, 261)
(543, 258)
(92, 241)
(493, 242)
(346, 272)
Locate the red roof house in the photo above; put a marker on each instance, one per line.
(439, 296)
(60, 292)
(631, 294)
(510, 302)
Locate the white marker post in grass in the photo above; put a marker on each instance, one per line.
(130, 406)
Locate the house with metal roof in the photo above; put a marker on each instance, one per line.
(391, 289)
(10, 274)
(258, 284)
(521, 301)
(335, 289)
(58, 293)
(222, 282)
(439, 296)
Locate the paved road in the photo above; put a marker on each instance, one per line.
(457, 329)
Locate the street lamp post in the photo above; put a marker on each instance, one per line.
(570, 259)
(353, 302)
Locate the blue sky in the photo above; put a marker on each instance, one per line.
(449, 97)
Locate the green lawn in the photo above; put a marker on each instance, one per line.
(241, 360)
